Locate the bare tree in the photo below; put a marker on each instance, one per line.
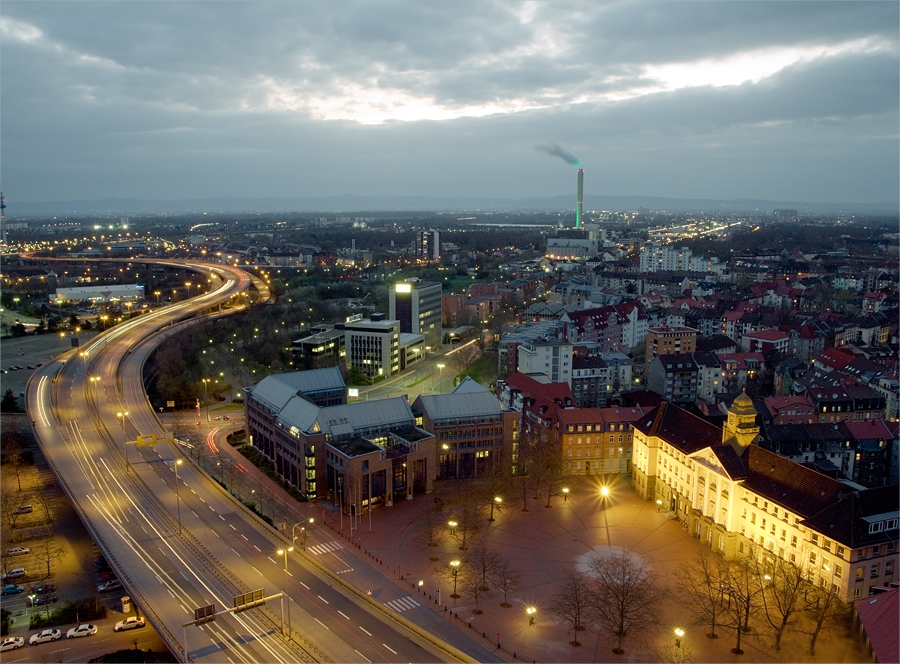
(472, 586)
(822, 606)
(468, 514)
(743, 596)
(48, 550)
(573, 604)
(429, 527)
(483, 561)
(624, 596)
(9, 505)
(704, 582)
(507, 578)
(784, 585)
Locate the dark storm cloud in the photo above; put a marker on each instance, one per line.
(182, 99)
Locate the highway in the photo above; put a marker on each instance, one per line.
(176, 539)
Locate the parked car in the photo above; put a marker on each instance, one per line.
(16, 573)
(129, 623)
(81, 630)
(45, 636)
(12, 589)
(12, 643)
(44, 600)
(24, 509)
(31, 366)
(18, 551)
(43, 588)
(109, 585)
(107, 576)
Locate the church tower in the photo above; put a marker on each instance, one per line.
(740, 430)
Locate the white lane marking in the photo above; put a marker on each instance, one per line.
(386, 646)
(256, 547)
(361, 655)
(323, 599)
(220, 516)
(232, 527)
(366, 631)
(344, 614)
(304, 585)
(270, 558)
(322, 624)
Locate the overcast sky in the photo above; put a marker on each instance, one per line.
(167, 100)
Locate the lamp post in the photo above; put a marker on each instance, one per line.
(678, 634)
(495, 503)
(440, 367)
(178, 462)
(188, 284)
(454, 572)
(285, 552)
(604, 493)
(565, 492)
(122, 415)
(157, 294)
(452, 525)
(530, 611)
(309, 521)
(206, 395)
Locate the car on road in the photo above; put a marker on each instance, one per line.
(43, 600)
(43, 588)
(12, 643)
(12, 589)
(45, 636)
(18, 551)
(31, 366)
(82, 630)
(109, 585)
(129, 623)
(24, 509)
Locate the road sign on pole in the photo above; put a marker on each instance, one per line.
(249, 600)
(205, 614)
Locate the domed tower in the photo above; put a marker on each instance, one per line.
(741, 429)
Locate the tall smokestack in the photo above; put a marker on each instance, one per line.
(579, 204)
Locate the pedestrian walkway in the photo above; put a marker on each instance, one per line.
(402, 604)
(328, 547)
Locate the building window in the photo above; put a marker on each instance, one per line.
(889, 567)
(812, 557)
(873, 573)
(839, 571)
(793, 540)
(859, 573)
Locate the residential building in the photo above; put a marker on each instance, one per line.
(790, 410)
(428, 245)
(552, 358)
(323, 348)
(766, 341)
(665, 340)
(675, 377)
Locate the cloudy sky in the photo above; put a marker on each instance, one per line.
(168, 100)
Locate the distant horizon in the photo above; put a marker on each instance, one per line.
(356, 203)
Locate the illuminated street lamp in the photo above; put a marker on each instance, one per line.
(530, 611)
(678, 634)
(495, 503)
(157, 294)
(122, 415)
(452, 525)
(454, 572)
(178, 462)
(565, 494)
(285, 552)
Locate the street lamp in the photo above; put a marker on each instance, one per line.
(452, 525)
(454, 572)
(565, 494)
(206, 395)
(678, 634)
(178, 462)
(285, 552)
(495, 503)
(530, 611)
(302, 532)
(604, 493)
(157, 294)
(122, 416)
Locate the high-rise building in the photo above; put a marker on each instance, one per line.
(417, 305)
(428, 245)
(373, 345)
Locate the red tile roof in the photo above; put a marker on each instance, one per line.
(879, 616)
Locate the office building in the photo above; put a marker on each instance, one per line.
(416, 305)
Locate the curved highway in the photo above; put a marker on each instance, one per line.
(174, 537)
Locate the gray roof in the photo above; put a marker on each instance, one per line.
(453, 406)
(470, 386)
(277, 390)
(273, 392)
(350, 419)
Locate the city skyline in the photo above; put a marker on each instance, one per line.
(164, 101)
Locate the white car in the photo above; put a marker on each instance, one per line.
(129, 623)
(18, 551)
(109, 585)
(81, 630)
(12, 643)
(45, 636)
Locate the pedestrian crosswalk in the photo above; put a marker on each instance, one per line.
(402, 604)
(328, 547)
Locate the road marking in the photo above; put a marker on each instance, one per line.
(323, 599)
(256, 547)
(201, 499)
(392, 650)
(189, 613)
(220, 516)
(304, 585)
(171, 593)
(361, 655)
(213, 509)
(402, 604)
(232, 527)
(366, 631)
(344, 614)
(234, 552)
(270, 558)
(322, 624)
